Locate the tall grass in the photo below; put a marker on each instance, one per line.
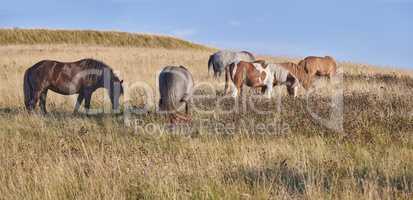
(90, 37)
(60, 156)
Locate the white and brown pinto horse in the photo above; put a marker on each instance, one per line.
(259, 74)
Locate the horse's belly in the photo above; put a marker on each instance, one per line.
(322, 73)
(254, 83)
(64, 90)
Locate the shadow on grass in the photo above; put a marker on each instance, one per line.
(59, 115)
(281, 175)
(402, 182)
(11, 111)
(296, 182)
(382, 78)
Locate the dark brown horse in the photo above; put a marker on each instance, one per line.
(82, 77)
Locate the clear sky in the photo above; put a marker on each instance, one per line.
(366, 31)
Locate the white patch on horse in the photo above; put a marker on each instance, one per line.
(234, 92)
(261, 69)
(234, 71)
(280, 74)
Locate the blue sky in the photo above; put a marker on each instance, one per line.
(366, 31)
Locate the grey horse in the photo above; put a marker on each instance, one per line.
(176, 86)
(221, 59)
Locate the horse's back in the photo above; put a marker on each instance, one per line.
(320, 65)
(224, 58)
(40, 71)
(319, 60)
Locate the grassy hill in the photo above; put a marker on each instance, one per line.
(90, 37)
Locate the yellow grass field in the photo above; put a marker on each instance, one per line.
(61, 156)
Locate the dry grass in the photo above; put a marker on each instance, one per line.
(90, 37)
(65, 157)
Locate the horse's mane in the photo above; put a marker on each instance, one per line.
(262, 63)
(249, 54)
(91, 63)
(299, 72)
(183, 67)
(330, 58)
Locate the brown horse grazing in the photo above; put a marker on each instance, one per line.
(320, 66)
(259, 74)
(82, 77)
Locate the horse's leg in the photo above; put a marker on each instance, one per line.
(241, 90)
(235, 92)
(187, 107)
(31, 104)
(227, 80)
(114, 96)
(290, 90)
(88, 97)
(332, 74)
(236, 86)
(269, 91)
(295, 91)
(42, 103)
(263, 89)
(172, 119)
(34, 100)
(78, 103)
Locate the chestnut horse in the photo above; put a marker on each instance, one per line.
(319, 66)
(82, 77)
(259, 74)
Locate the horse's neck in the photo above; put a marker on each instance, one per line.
(106, 81)
(258, 67)
(291, 68)
(273, 67)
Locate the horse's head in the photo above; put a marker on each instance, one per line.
(117, 85)
(116, 92)
(120, 83)
(292, 85)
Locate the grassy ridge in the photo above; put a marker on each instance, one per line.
(90, 37)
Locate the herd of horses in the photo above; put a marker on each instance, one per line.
(176, 84)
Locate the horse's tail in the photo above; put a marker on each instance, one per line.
(250, 55)
(27, 90)
(234, 69)
(210, 63)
